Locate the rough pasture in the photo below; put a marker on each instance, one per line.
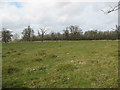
(75, 64)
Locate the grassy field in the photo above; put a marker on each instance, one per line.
(66, 64)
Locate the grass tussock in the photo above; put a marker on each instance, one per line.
(41, 53)
(9, 69)
(52, 56)
(36, 69)
(65, 67)
(38, 59)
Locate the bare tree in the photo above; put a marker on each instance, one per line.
(43, 31)
(115, 8)
(39, 36)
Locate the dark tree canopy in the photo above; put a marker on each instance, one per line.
(75, 33)
(28, 33)
(6, 35)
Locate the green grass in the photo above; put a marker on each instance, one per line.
(66, 64)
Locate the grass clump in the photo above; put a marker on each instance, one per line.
(13, 83)
(3, 56)
(53, 56)
(41, 53)
(9, 69)
(8, 52)
(14, 51)
(18, 53)
(35, 69)
(66, 67)
(38, 59)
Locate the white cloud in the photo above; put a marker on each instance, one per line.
(57, 15)
(59, 0)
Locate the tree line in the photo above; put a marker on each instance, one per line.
(72, 32)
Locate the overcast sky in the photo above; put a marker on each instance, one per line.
(57, 15)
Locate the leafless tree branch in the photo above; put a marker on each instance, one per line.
(117, 7)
